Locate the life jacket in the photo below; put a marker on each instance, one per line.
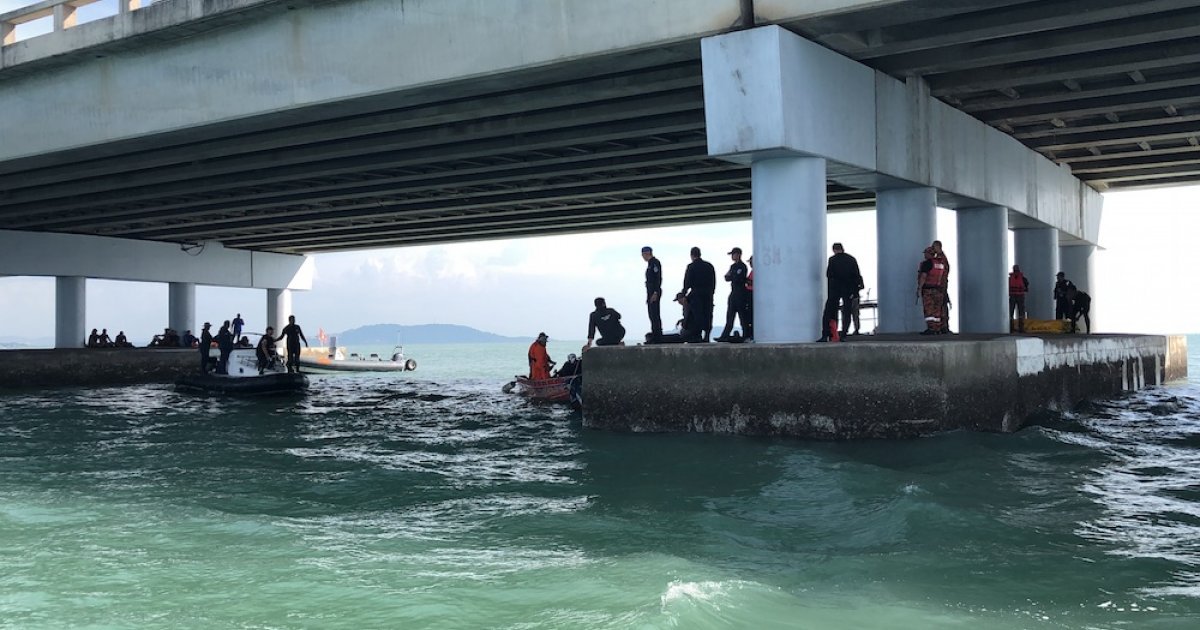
(1016, 283)
(936, 276)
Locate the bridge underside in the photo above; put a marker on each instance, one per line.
(1109, 87)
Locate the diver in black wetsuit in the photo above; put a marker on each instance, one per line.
(699, 285)
(608, 322)
(293, 334)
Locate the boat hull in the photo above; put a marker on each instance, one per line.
(324, 364)
(263, 385)
(555, 390)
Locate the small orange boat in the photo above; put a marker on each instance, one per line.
(561, 389)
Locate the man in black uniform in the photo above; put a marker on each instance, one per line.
(653, 293)
(293, 334)
(739, 297)
(608, 322)
(842, 279)
(1081, 306)
(206, 339)
(1062, 298)
(225, 344)
(699, 285)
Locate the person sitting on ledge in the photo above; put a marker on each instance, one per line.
(122, 341)
(93, 340)
(105, 341)
(608, 322)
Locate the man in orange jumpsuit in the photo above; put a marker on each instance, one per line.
(539, 360)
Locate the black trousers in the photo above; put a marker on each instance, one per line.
(653, 309)
(1016, 310)
(833, 304)
(738, 306)
(1062, 309)
(704, 313)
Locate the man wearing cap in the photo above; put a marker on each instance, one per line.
(1062, 299)
(205, 343)
(539, 359)
(653, 293)
(738, 296)
(608, 322)
(699, 285)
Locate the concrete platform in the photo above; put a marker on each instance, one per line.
(88, 367)
(884, 386)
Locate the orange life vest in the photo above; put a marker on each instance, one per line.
(1016, 283)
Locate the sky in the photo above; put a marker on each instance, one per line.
(521, 287)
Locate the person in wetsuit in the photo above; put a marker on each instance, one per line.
(206, 340)
(1062, 297)
(224, 341)
(265, 351)
(653, 293)
(293, 334)
(699, 285)
(608, 322)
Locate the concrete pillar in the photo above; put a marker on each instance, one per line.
(1077, 262)
(1037, 253)
(905, 224)
(982, 269)
(181, 307)
(788, 222)
(279, 307)
(70, 312)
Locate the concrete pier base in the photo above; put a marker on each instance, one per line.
(93, 367)
(879, 388)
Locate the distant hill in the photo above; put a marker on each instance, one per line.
(388, 334)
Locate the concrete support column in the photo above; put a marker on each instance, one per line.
(1037, 254)
(279, 307)
(905, 224)
(1077, 262)
(181, 307)
(982, 270)
(70, 312)
(788, 221)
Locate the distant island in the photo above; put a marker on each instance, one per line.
(389, 334)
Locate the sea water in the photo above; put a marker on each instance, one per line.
(430, 499)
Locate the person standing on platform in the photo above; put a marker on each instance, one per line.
(653, 293)
(940, 256)
(855, 299)
(750, 300)
(931, 292)
(225, 345)
(699, 285)
(842, 278)
(738, 296)
(206, 340)
(238, 323)
(293, 334)
(608, 322)
(539, 358)
(1062, 297)
(1081, 306)
(1018, 286)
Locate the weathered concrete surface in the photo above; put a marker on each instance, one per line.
(92, 367)
(866, 389)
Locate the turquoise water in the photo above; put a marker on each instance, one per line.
(432, 500)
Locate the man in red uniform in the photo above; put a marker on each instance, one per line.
(539, 360)
(1018, 286)
(931, 291)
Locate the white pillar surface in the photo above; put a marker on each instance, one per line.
(788, 221)
(1037, 253)
(982, 270)
(181, 307)
(905, 224)
(279, 307)
(1077, 261)
(70, 312)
